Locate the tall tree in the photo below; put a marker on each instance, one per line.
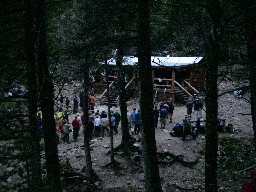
(46, 101)
(213, 61)
(250, 20)
(34, 160)
(151, 170)
(126, 137)
(88, 160)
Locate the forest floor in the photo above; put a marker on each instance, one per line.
(181, 165)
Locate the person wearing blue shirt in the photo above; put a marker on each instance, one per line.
(133, 117)
(137, 123)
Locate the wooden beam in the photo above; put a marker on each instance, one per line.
(106, 89)
(191, 86)
(182, 88)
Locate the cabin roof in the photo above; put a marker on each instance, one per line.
(160, 61)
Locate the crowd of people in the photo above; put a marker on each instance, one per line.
(99, 123)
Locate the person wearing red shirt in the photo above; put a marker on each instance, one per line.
(75, 125)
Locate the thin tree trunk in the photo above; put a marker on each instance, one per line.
(109, 115)
(126, 137)
(250, 19)
(88, 160)
(34, 161)
(213, 60)
(151, 170)
(47, 105)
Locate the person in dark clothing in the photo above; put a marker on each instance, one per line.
(117, 118)
(61, 99)
(189, 106)
(187, 128)
(170, 110)
(103, 114)
(67, 101)
(113, 123)
(75, 101)
(81, 97)
(156, 116)
(97, 113)
(66, 114)
(163, 116)
(90, 125)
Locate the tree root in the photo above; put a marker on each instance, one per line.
(169, 158)
(126, 148)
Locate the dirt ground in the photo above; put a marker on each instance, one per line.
(181, 168)
(184, 173)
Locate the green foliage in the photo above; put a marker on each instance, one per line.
(235, 155)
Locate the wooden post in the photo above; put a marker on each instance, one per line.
(173, 85)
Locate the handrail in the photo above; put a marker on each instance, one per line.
(191, 86)
(127, 84)
(106, 89)
(182, 88)
(156, 92)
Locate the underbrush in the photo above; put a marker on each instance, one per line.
(235, 162)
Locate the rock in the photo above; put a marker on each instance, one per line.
(9, 169)
(141, 187)
(165, 150)
(136, 145)
(15, 152)
(141, 177)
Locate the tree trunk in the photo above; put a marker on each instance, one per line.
(112, 156)
(250, 20)
(47, 104)
(126, 137)
(213, 60)
(34, 161)
(151, 170)
(88, 160)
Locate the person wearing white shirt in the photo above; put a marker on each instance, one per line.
(97, 123)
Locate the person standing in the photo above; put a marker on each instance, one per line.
(133, 117)
(137, 123)
(67, 102)
(163, 116)
(171, 109)
(113, 123)
(75, 125)
(61, 99)
(117, 117)
(97, 123)
(82, 98)
(92, 102)
(75, 102)
(90, 125)
(189, 106)
(66, 131)
(156, 116)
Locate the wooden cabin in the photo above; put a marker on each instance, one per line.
(174, 77)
